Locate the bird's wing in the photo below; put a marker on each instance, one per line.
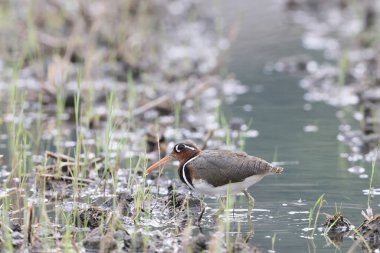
(219, 168)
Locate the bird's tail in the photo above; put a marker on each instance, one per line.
(277, 170)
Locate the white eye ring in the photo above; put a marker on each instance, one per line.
(183, 146)
(177, 147)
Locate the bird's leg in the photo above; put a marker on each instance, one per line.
(203, 209)
(251, 203)
(220, 209)
(201, 215)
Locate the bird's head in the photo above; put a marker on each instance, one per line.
(181, 151)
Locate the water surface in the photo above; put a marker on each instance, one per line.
(312, 159)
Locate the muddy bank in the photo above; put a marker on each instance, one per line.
(90, 95)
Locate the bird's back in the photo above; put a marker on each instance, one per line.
(222, 167)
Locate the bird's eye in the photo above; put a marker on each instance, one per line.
(179, 148)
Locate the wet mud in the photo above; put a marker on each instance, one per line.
(98, 93)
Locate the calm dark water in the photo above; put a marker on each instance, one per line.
(312, 159)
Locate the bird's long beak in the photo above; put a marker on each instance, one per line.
(163, 161)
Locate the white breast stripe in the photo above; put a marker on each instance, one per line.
(184, 175)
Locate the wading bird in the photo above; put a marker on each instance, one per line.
(217, 172)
